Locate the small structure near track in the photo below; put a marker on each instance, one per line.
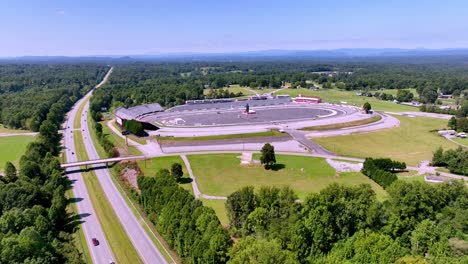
(246, 158)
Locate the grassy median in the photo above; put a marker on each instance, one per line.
(361, 122)
(136, 209)
(120, 243)
(271, 133)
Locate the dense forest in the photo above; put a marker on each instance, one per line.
(35, 226)
(171, 84)
(417, 223)
(28, 91)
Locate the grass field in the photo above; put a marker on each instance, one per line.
(366, 121)
(271, 133)
(220, 209)
(418, 178)
(117, 238)
(463, 141)
(411, 142)
(153, 165)
(302, 174)
(336, 96)
(12, 148)
(4, 129)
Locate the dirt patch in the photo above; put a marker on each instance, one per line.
(129, 174)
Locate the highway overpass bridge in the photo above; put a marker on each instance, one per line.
(99, 161)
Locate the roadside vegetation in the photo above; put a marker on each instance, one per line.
(361, 122)
(36, 225)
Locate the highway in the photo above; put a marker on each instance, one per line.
(143, 244)
(90, 223)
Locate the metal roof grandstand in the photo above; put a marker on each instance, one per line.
(137, 111)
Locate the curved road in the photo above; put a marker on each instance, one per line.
(90, 224)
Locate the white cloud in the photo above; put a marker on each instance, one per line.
(60, 12)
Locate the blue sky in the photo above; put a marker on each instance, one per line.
(103, 27)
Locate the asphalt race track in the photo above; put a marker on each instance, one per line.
(266, 114)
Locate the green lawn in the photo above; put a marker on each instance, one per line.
(303, 174)
(463, 141)
(4, 129)
(153, 165)
(12, 148)
(361, 122)
(220, 209)
(336, 96)
(271, 133)
(411, 142)
(418, 178)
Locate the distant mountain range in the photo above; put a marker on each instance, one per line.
(334, 55)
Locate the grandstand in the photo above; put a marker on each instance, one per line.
(136, 112)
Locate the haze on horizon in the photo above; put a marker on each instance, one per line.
(77, 28)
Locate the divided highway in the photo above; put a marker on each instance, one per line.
(90, 223)
(143, 244)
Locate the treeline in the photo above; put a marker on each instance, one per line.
(380, 170)
(134, 127)
(190, 228)
(35, 226)
(456, 160)
(173, 83)
(222, 93)
(458, 123)
(28, 91)
(418, 223)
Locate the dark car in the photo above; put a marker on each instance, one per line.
(95, 242)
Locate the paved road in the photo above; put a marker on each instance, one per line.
(301, 138)
(8, 134)
(145, 247)
(196, 191)
(91, 226)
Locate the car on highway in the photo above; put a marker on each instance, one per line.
(95, 242)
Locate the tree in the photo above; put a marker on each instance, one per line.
(10, 172)
(438, 158)
(239, 205)
(251, 250)
(367, 107)
(176, 171)
(404, 96)
(268, 158)
(429, 95)
(452, 123)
